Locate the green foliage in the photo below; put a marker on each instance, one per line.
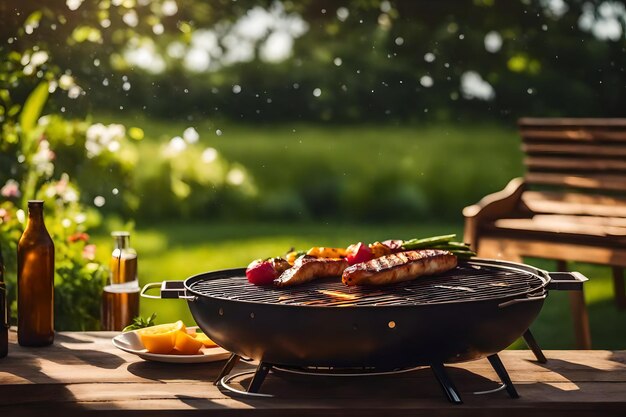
(545, 66)
(368, 64)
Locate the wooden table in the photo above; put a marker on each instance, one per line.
(84, 374)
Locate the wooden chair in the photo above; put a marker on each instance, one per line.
(569, 206)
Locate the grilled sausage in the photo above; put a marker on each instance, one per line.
(308, 268)
(401, 266)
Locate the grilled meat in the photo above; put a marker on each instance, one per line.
(309, 268)
(397, 267)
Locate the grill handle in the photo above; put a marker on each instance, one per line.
(169, 290)
(523, 300)
(566, 281)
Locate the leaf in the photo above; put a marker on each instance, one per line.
(140, 323)
(13, 110)
(5, 95)
(33, 107)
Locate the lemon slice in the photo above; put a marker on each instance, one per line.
(162, 328)
(161, 338)
(201, 337)
(186, 344)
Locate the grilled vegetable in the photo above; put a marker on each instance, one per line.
(260, 272)
(293, 255)
(322, 252)
(428, 242)
(445, 242)
(358, 252)
(379, 249)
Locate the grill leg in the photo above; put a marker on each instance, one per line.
(446, 383)
(534, 346)
(259, 376)
(230, 364)
(498, 366)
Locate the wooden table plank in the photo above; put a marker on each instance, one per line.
(83, 374)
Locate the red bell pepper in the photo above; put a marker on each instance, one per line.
(359, 252)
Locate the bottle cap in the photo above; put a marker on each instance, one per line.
(120, 233)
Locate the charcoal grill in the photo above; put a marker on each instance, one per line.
(471, 312)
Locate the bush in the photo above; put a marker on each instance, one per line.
(180, 179)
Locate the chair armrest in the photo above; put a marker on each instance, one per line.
(499, 202)
(490, 207)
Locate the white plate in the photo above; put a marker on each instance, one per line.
(131, 343)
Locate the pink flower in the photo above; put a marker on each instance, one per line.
(11, 189)
(89, 252)
(61, 184)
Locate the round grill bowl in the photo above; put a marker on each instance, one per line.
(473, 311)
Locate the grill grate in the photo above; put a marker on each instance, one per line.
(470, 281)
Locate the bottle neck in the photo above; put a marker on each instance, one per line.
(122, 242)
(35, 215)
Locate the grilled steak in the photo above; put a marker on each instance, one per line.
(308, 268)
(401, 266)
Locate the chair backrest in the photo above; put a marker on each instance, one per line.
(581, 154)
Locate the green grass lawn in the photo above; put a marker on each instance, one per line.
(178, 250)
(325, 171)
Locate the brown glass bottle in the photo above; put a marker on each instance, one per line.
(35, 281)
(4, 312)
